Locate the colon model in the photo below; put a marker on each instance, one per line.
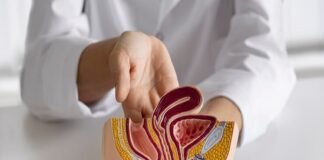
(175, 132)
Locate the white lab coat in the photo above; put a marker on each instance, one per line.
(224, 47)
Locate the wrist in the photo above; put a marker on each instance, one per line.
(93, 76)
(224, 110)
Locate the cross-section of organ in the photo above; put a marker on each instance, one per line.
(175, 132)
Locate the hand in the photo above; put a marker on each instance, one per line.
(143, 72)
(224, 110)
(138, 65)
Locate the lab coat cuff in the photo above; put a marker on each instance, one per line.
(60, 80)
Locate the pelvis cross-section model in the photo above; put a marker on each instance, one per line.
(175, 132)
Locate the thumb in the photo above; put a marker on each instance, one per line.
(120, 69)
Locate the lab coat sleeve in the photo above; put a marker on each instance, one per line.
(57, 34)
(252, 69)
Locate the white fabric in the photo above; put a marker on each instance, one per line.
(226, 48)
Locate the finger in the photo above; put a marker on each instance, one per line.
(121, 71)
(148, 106)
(122, 86)
(167, 85)
(167, 79)
(134, 115)
(132, 106)
(165, 72)
(154, 98)
(147, 112)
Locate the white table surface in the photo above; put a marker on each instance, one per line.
(297, 134)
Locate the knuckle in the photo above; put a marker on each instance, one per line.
(132, 34)
(158, 45)
(127, 33)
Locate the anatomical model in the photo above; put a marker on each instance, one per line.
(175, 132)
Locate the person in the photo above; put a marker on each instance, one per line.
(82, 54)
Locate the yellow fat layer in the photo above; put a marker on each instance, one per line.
(218, 152)
(120, 138)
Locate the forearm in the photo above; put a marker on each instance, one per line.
(93, 79)
(224, 110)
